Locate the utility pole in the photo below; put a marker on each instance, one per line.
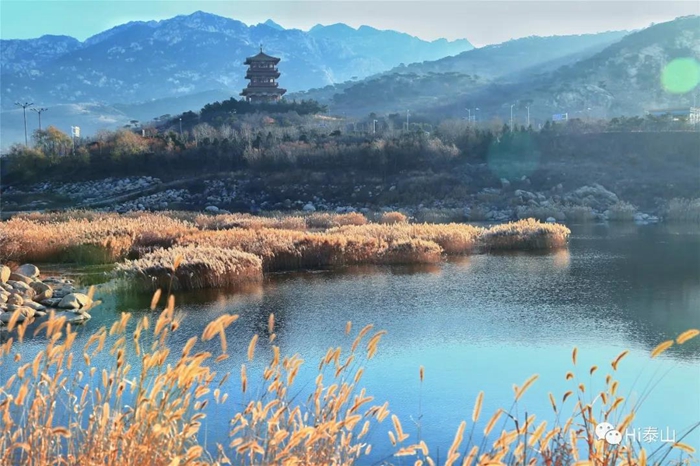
(39, 111)
(408, 112)
(511, 117)
(374, 126)
(24, 111)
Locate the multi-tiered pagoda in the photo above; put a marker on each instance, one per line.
(263, 74)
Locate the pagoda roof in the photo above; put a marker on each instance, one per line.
(262, 56)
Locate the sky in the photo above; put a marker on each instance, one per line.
(482, 22)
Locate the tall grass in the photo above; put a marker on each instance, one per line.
(525, 235)
(683, 210)
(61, 409)
(622, 212)
(281, 243)
(192, 268)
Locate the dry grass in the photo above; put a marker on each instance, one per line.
(192, 268)
(281, 243)
(621, 212)
(683, 210)
(392, 218)
(525, 235)
(57, 409)
(87, 238)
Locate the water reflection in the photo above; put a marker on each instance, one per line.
(477, 323)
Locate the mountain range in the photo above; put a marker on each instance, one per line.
(598, 75)
(144, 60)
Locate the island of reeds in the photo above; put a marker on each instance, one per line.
(185, 250)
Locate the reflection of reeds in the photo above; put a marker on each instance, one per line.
(54, 411)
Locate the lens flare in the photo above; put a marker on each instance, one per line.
(680, 75)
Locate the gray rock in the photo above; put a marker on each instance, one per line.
(29, 270)
(75, 301)
(551, 220)
(18, 277)
(211, 208)
(18, 286)
(35, 306)
(309, 208)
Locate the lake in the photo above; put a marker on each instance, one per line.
(483, 322)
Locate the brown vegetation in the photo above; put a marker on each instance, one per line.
(280, 243)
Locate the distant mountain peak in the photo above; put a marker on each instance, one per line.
(273, 25)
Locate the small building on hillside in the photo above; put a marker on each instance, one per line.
(262, 75)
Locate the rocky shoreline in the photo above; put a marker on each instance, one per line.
(512, 200)
(24, 295)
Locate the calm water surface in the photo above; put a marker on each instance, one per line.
(480, 323)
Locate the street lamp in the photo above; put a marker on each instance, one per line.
(24, 111)
(477, 109)
(528, 116)
(39, 111)
(181, 128)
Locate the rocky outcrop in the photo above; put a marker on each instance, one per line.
(23, 294)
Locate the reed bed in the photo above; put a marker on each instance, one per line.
(683, 210)
(621, 212)
(525, 235)
(190, 268)
(86, 238)
(248, 221)
(57, 409)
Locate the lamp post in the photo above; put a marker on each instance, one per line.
(24, 111)
(477, 109)
(528, 116)
(39, 111)
(181, 128)
(511, 117)
(374, 126)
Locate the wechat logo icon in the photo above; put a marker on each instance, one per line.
(606, 431)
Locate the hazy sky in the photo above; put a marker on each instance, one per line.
(482, 22)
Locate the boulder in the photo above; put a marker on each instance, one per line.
(33, 305)
(24, 313)
(4, 273)
(43, 291)
(50, 302)
(75, 301)
(15, 299)
(551, 220)
(309, 207)
(18, 277)
(19, 286)
(29, 270)
(211, 208)
(3, 298)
